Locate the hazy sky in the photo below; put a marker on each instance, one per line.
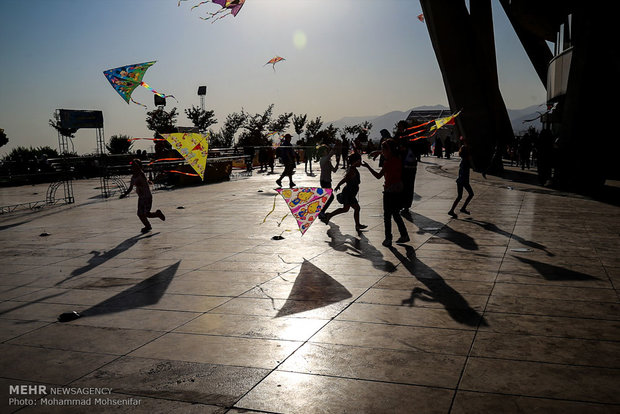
(343, 58)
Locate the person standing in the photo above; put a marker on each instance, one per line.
(345, 151)
(409, 161)
(287, 157)
(392, 191)
(462, 181)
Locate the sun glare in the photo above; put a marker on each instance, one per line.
(299, 39)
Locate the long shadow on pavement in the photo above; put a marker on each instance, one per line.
(552, 272)
(148, 292)
(493, 228)
(443, 231)
(100, 258)
(312, 289)
(358, 247)
(437, 290)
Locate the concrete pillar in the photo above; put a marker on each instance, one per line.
(465, 50)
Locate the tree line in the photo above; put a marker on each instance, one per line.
(240, 129)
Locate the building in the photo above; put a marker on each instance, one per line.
(579, 72)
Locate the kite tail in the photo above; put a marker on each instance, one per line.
(148, 139)
(146, 85)
(199, 4)
(138, 103)
(165, 159)
(212, 15)
(272, 210)
(184, 173)
(282, 219)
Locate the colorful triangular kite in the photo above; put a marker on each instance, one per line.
(305, 203)
(127, 78)
(193, 147)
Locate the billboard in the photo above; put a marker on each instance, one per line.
(76, 119)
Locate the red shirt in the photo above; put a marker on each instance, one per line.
(392, 172)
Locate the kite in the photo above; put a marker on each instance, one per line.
(127, 78)
(429, 128)
(421, 17)
(273, 61)
(305, 204)
(228, 7)
(193, 147)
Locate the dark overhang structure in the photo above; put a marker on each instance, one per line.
(580, 72)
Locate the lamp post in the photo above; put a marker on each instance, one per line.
(202, 91)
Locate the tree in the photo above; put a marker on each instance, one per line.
(330, 133)
(23, 154)
(359, 130)
(299, 121)
(119, 144)
(226, 136)
(313, 128)
(3, 138)
(281, 123)
(202, 119)
(162, 122)
(255, 127)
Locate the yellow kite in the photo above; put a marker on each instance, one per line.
(448, 120)
(193, 147)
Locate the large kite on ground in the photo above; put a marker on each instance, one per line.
(127, 78)
(305, 203)
(193, 147)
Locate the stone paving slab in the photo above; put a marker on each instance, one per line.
(513, 308)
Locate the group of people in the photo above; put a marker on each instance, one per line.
(398, 160)
(398, 164)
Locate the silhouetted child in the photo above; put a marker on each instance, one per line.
(326, 174)
(348, 196)
(287, 157)
(462, 181)
(392, 191)
(145, 198)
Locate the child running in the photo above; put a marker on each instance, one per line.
(392, 191)
(463, 182)
(145, 198)
(348, 196)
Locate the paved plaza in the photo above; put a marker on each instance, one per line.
(512, 309)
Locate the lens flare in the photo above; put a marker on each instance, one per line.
(299, 39)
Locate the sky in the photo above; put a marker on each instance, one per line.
(343, 58)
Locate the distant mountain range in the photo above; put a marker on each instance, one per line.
(389, 120)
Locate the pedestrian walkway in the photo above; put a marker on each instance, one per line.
(511, 309)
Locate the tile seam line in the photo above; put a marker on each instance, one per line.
(473, 341)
